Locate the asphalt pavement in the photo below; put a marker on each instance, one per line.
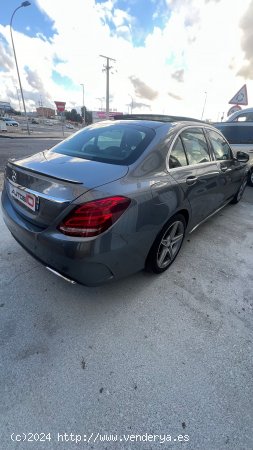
(150, 361)
(163, 355)
(20, 147)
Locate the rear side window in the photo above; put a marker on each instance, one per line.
(220, 147)
(177, 155)
(114, 144)
(196, 146)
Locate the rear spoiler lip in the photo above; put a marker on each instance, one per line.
(28, 169)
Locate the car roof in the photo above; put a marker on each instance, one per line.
(238, 113)
(155, 117)
(157, 120)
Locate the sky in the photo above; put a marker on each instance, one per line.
(177, 57)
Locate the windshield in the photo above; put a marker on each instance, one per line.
(114, 144)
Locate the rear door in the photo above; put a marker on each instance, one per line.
(192, 166)
(230, 171)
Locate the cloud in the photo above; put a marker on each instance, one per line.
(178, 75)
(35, 81)
(246, 70)
(176, 97)
(196, 48)
(140, 105)
(142, 89)
(6, 62)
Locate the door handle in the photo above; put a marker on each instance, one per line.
(223, 168)
(191, 180)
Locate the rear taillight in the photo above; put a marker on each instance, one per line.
(93, 218)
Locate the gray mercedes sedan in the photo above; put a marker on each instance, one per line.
(119, 196)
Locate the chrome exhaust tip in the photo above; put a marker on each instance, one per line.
(60, 275)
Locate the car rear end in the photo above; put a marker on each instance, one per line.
(79, 217)
(42, 214)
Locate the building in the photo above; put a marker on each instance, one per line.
(42, 111)
(5, 107)
(97, 116)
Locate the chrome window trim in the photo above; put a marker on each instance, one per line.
(196, 166)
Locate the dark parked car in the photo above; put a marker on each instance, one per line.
(239, 134)
(118, 197)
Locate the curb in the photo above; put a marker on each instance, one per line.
(31, 137)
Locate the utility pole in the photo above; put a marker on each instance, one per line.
(81, 84)
(42, 108)
(107, 68)
(132, 103)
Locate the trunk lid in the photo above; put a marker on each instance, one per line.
(41, 186)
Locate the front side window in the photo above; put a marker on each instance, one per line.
(221, 148)
(114, 144)
(177, 155)
(196, 146)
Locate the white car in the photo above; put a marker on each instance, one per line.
(3, 126)
(244, 115)
(70, 126)
(10, 122)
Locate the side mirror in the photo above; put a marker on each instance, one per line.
(242, 157)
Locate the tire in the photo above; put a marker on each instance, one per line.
(239, 194)
(250, 178)
(164, 251)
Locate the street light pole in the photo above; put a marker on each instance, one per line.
(101, 103)
(24, 4)
(83, 105)
(107, 69)
(131, 103)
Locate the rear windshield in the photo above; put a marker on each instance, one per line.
(237, 134)
(113, 144)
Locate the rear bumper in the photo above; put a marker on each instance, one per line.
(89, 262)
(70, 258)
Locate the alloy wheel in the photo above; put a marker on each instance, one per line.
(170, 244)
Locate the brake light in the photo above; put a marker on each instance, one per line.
(93, 218)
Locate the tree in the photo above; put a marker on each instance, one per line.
(73, 116)
(87, 115)
(14, 112)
